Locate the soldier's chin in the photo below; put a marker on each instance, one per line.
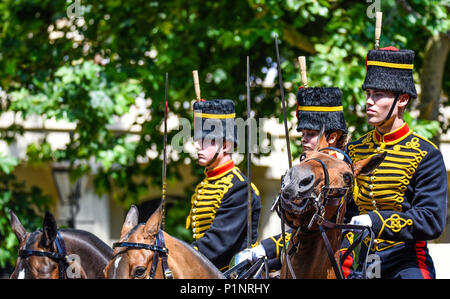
(202, 161)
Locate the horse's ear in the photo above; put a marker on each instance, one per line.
(321, 140)
(154, 222)
(130, 221)
(49, 228)
(367, 165)
(17, 227)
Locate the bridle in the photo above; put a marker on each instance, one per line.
(60, 255)
(159, 249)
(332, 196)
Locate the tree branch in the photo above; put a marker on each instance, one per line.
(298, 40)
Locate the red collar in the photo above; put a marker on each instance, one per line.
(220, 169)
(392, 136)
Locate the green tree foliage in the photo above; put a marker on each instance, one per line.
(89, 70)
(28, 204)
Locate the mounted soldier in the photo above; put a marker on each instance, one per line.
(404, 199)
(317, 108)
(218, 215)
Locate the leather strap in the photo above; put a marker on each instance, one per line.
(60, 256)
(336, 268)
(159, 249)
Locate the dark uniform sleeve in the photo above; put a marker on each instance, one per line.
(274, 245)
(228, 230)
(425, 219)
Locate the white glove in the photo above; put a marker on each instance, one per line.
(362, 220)
(252, 255)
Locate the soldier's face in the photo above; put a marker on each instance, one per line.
(206, 150)
(378, 104)
(309, 139)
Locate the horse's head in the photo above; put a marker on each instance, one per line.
(320, 180)
(35, 265)
(128, 262)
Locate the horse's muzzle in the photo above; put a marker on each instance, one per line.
(298, 206)
(296, 195)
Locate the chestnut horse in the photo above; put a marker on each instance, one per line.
(145, 251)
(53, 253)
(313, 192)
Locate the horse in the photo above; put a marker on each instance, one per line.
(146, 251)
(50, 253)
(314, 193)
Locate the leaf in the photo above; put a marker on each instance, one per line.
(8, 163)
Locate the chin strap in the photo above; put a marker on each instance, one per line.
(213, 159)
(397, 95)
(215, 156)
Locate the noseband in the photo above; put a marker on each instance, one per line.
(159, 248)
(60, 256)
(332, 196)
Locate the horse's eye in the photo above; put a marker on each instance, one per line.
(139, 272)
(348, 179)
(302, 157)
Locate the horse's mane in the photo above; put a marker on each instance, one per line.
(89, 238)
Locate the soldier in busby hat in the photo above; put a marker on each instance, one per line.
(218, 215)
(318, 107)
(404, 199)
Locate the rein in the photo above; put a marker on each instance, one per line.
(335, 196)
(60, 256)
(160, 251)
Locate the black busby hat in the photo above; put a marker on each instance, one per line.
(215, 119)
(318, 106)
(390, 69)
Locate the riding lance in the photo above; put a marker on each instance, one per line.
(249, 163)
(280, 79)
(283, 102)
(163, 199)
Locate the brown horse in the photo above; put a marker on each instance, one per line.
(314, 191)
(134, 255)
(52, 253)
